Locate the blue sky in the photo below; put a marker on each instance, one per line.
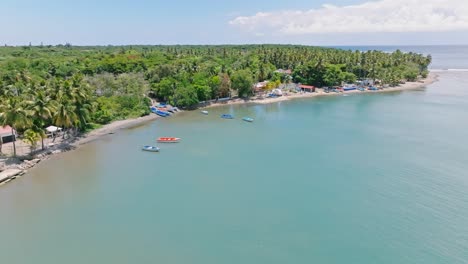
(339, 22)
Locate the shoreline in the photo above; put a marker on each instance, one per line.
(15, 167)
(18, 168)
(431, 78)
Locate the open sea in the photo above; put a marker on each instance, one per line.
(367, 178)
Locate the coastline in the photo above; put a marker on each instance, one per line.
(431, 78)
(14, 167)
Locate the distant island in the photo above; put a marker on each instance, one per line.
(77, 89)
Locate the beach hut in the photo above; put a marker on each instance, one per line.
(7, 134)
(53, 130)
(260, 86)
(307, 88)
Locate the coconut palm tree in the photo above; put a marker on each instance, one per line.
(64, 116)
(42, 109)
(31, 137)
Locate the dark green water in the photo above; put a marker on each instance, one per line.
(377, 178)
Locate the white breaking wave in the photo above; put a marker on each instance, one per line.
(449, 70)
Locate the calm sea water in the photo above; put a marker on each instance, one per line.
(375, 178)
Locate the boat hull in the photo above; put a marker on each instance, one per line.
(227, 116)
(167, 140)
(150, 149)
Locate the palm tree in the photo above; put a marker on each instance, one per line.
(31, 137)
(13, 113)
(65, 116)
(42, 109)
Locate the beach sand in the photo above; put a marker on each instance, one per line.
(431, 78)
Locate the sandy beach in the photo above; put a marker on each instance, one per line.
(20, 166)
(431, 78)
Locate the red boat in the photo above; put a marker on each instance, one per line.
(168, 139)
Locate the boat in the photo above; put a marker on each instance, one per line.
(204, 112)
(150, 148)
(248, 119)
(162, 113)
(175, 109)
(168, 139)
(164, 110)
(349, 89)
(159, 112)
(361, 89)
(227, 116)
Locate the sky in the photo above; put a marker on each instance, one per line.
(308, 22)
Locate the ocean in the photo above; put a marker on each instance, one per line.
(366, 178)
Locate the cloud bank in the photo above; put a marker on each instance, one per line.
(369, 17)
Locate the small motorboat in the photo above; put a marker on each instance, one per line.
(164, 110)
(248, 119)
(227, 116)
(159, 112)
(150, 148)
(204, 112)
(168, 140)
(162, 113)
(175, 109)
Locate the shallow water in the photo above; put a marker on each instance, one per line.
(367, 178)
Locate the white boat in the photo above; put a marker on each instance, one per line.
(204, 112)
(150, 148)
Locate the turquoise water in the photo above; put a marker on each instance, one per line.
(369, 178)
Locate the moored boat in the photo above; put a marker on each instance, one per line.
(227, 116)
(150, 148)
(204, 112)
(248, 119)
(164, 110)
(159, 112)
(168, 139)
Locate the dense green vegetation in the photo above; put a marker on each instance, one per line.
(76, 87)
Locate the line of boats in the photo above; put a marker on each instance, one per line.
(164, 110)
(349, 88)
(229, 116)
(160, 140)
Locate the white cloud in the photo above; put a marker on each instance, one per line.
(368, 17)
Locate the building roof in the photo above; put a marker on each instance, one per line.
(288, 71)
(260, 85)
(306, 86)
(5, 131)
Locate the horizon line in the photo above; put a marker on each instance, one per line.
(232, 44)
